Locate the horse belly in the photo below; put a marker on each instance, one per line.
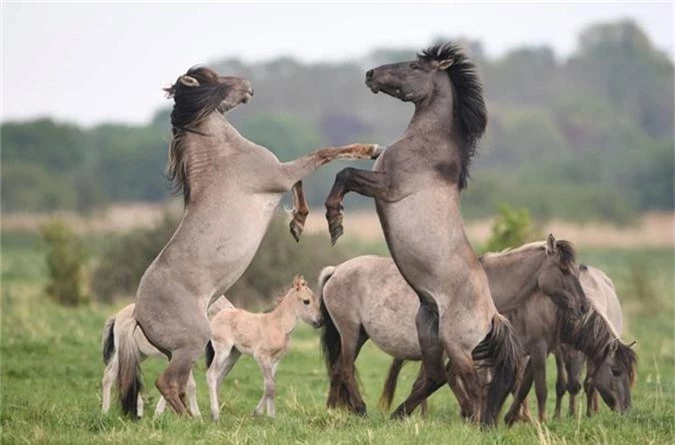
(395, 335)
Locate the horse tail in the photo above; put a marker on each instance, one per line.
(504, 354)
(390, 384)
(129, 371)
(324, 276)
(331, 346)
(210, 354)
(330, 337)
(108, 340)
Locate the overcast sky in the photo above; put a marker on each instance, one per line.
(89, 63)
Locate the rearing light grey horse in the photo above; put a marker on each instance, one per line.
(416, 184)
(231, 187)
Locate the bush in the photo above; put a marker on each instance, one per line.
(278, 259)
(122, 264)
(65, 263)
(512, 228)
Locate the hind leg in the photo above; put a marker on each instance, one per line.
(561, 383)
(109, 377)
(521, 395)
(426, 321)
(538, 359)
(347, 370)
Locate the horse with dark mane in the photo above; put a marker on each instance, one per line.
(231, 188)
(610, 364)
(416, 184)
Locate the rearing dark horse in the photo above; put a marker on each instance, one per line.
(416, 184)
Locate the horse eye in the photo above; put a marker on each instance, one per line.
(616, 372)
(305, 302)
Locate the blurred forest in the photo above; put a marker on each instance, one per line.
(587, 137)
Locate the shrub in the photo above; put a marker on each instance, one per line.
(125, 259)
(512, 228)
(65, 263)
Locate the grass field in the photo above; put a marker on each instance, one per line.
(51, 370)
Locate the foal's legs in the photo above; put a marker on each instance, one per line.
(226, 355)
(268, 366)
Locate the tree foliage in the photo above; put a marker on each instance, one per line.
(65, 264)
(585, 137)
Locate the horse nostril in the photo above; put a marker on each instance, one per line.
(369, 74)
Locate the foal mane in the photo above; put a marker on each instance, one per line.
(469, 111)
(592, 335)
(192, 104)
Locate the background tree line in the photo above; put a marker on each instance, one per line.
(590, 136)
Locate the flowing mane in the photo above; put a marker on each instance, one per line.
(566, 251)
(469, 105)
(592, 334)
(192, 103)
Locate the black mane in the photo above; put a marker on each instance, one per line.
(592, 335)
(567, 252)
(469, 105)
(191, 106)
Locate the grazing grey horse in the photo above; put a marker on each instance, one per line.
(118, 325)
(416, 184)
(611, 379)
(231, 188)
(611, 363)
(367, 298)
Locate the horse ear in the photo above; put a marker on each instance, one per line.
(631, 344)
(188, 81)
(550, 245)
(297, 281)
(445, 64)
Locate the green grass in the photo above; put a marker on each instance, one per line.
(51, 370)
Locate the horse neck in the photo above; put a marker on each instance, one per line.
(435, 113)
(211, 142)
(284, 315)
(512, 278)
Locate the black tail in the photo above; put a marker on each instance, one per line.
(209, 353)
(502, 351)
(108, 340)
(129, 372)
(390, 384)
(331, 346)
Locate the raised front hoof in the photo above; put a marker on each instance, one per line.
(335, 228)
(296, 230)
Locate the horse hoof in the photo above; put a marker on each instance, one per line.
(335, 228)
(296, 230)
(398, 415)
(361, 411)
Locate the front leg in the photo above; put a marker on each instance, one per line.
(296, 170)
(300, 211)
(364, 182)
